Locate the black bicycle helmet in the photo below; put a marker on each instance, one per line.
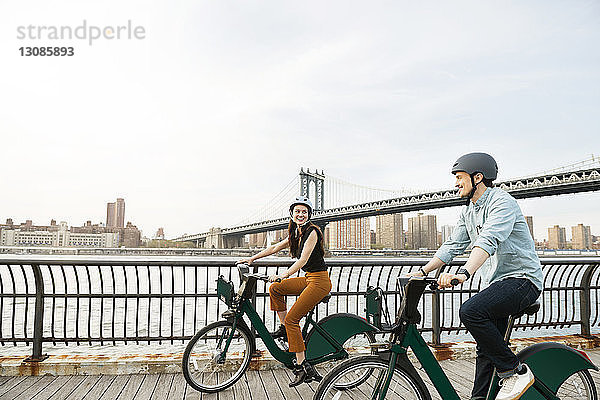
(473, 163)
(305, 201)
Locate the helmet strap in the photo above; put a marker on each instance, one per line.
(474, 188)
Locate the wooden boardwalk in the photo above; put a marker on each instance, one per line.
(270, 384)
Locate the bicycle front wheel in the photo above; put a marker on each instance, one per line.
(335, 386)
(578, 386)
(216, 357)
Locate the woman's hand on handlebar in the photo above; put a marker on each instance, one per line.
(276, 278)
(445, 280)
(244, 261)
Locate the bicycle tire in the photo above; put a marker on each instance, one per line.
(404, 384)
(580, 385)
(349, 346)
(201, 363)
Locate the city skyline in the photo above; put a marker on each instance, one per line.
(211, 115)
(395, 236)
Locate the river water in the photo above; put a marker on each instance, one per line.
(182, 313)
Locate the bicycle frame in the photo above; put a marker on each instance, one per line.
(539, 356)
(279, 354)
(326, 345)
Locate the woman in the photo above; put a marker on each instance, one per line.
(305, 241)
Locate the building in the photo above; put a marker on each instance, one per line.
(581, 237)
(160, 234)
(557, 237)
(446, 232)
(350, 234)
(422, 232)
(115, 214)
(389, 231)
(257, 240)
(58, 235)
(529, 220)
(130, 236)
(61, 237)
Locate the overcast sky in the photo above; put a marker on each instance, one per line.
(217, 108)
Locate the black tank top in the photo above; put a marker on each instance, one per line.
(315, 262)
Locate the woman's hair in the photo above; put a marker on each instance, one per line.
(294, 239)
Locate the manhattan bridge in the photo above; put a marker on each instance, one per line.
(335, 200)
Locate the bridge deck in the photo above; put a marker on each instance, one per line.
(270, 384)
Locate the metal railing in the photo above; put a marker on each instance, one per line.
(120, 300)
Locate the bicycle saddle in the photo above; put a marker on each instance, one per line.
(530, 310)
(325, 299)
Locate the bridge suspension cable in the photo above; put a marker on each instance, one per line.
(277, 207)
(591, 162)
(340, 193)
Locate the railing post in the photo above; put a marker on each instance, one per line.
(435, 318)
(585, 306)
(38, 323)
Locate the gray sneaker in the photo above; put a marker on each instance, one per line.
(516, 385)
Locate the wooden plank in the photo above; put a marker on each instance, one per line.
(4, 379)
(305, 391)
(115, 388)
(147, 387)
(461, 382)
(99, 388)
(192, 394)
(15, 380)
(241, 390)
(58, 383)
(18, 386)
(34, 389)
(85, 385)
(260, 391)
(282, 380)
(131, 387)
(227, 394)
(179, 387)
(163, 386)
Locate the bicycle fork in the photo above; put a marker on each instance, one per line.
(384, 379)
(220, 358)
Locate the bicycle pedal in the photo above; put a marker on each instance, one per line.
(283, 344)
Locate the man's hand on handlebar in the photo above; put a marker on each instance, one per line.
(244, 261)
(445, 280)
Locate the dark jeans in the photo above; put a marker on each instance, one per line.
(485, 315)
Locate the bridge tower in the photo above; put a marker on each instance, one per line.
(306, 178)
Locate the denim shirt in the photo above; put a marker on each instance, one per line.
(495, 224)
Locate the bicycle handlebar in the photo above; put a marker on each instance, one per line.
(264, 277)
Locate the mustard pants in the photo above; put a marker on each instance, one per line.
(311, 289)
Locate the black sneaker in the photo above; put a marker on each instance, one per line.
(280, 333)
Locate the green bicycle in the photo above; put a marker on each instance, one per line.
(218, 354)
(560, 371)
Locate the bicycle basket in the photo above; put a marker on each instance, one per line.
(225, 290)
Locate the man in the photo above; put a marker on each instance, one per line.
(511, 272)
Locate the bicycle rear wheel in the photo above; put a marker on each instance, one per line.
(354, 345)
(578, 386)
(207, 367)
(404, 386)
